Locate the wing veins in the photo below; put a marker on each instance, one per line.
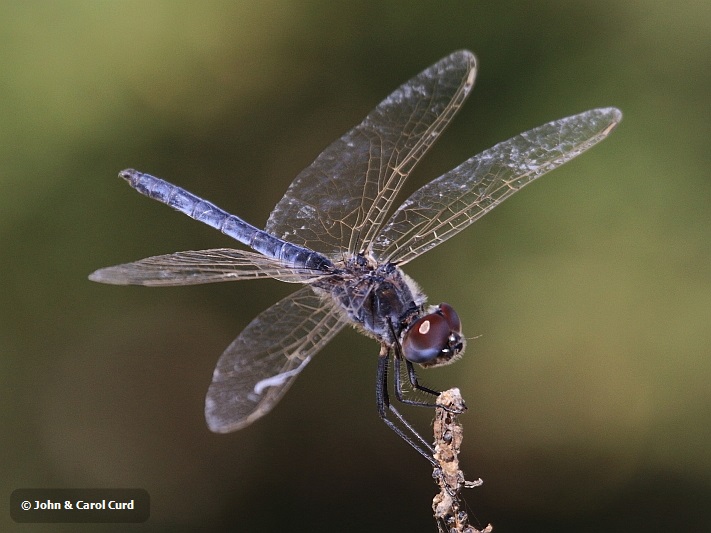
(401, 171)
(202, 266)
(253, 373)
(338, 203)
(488, 178)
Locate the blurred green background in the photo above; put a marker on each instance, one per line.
(589, 294)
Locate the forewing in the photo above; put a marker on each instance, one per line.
(262, 363)
(448, 204)
(339, 202)
(201, 266)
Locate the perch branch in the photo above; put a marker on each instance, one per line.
(448, 434)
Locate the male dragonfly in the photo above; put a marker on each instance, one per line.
(331, 233)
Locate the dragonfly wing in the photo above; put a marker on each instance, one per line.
(261, 364)
(448, 204)
(202, 266)
(338, 203)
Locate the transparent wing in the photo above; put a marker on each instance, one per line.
(340, 201)
(201, 266)
(261, 364)
(448, 204)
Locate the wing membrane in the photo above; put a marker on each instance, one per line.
(263, 361)
(201, 266)
(339, 202)
(448, 204)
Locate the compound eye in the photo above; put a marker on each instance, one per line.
(426, 338)
(448, 312)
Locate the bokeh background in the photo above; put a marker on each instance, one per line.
(588, 294)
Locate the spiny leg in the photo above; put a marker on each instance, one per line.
(414, 439)
(413, 381)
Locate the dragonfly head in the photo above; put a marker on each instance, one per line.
(434, 339)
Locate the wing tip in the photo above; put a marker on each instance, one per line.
(103, 276)
(615, 117)
(465, 57)
(612, 117)
(466, 54)
(220, 429)
(218, 424)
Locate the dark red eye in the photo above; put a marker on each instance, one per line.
(434, 339)
(426, 338)
(448, 312)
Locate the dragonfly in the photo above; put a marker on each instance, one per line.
(336, 234)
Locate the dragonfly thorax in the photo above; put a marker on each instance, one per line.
(381, 300)
(386, 304)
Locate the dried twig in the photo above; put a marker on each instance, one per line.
(448, 433)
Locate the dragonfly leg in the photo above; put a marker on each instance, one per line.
(411, 436)
(412, 376)
(413, 381)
